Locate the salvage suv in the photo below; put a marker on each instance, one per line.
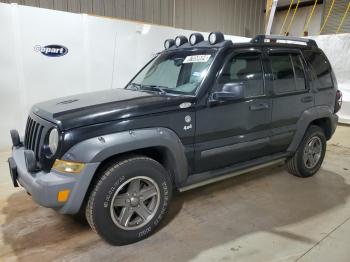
(199, 112)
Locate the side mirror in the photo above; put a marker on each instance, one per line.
(229, 92)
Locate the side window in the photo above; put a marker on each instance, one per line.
(288, 73)
(299, 72)
(246, 69)
(320, 69)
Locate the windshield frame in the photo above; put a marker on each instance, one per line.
(198, 88)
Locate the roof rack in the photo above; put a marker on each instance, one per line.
(261, 39)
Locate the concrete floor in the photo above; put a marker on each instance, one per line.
(266, 215)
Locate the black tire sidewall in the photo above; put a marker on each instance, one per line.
(312, 132)
(108, 185)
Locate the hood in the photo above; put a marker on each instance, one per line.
(102, 106)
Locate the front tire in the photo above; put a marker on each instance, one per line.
(129, 200)
(308, 159)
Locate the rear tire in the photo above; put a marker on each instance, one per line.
(129, 200)
(308, 159)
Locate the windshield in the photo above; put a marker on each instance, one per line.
(178, 72)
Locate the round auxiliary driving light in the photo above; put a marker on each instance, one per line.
(216, 37)
(180, 40)
(169, 43)
(196, 38)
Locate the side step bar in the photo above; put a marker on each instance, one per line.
(201, 179)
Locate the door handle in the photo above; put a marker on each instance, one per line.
(306, 99)
(261, 106)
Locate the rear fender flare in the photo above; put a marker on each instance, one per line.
(304, 121)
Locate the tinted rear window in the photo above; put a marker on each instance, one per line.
(320, 69)
(288, 73)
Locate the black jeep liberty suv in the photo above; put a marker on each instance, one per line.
(199, 112)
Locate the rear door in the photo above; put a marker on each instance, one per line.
(291, 95)
(235, 131)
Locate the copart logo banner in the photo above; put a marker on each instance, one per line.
(51, 50)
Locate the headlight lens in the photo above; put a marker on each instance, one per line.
(53, 141)
(68, 166)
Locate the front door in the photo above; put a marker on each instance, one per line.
(234, 131)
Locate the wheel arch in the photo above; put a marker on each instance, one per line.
(160, 144)
(321, 116)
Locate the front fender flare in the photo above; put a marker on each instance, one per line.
(97, 149)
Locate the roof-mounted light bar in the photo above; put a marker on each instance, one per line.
(196, 38)
(169, 43)
(180, 40)
(216, 37)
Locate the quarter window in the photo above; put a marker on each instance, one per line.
(320, 69)
(288, 73)
(244, 69)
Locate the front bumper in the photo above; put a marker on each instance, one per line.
(44, 186)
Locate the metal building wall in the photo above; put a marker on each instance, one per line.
(236, 17)
(335, 17)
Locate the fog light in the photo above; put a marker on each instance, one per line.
(63, 195)
(68, 167)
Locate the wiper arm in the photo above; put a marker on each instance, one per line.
(134, 86)
(154, 88)
(160, 89)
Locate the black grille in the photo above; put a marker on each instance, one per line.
(33, 136)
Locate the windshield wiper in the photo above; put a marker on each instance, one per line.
(152, 88)
(155, 88)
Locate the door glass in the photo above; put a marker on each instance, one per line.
(320, 69)
(299, 72)
(245, 69)
(283, 74)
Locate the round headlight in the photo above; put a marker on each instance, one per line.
(195, 38)
(53, 140)
(216, 37)
(169, 43)
(180, 40)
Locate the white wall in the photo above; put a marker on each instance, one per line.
(103, 53)
(337, 49)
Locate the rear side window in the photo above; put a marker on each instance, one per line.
(246, 69)
(299, 72)
(320, 69)
(288, 73)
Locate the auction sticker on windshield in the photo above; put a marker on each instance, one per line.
(196, 59)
